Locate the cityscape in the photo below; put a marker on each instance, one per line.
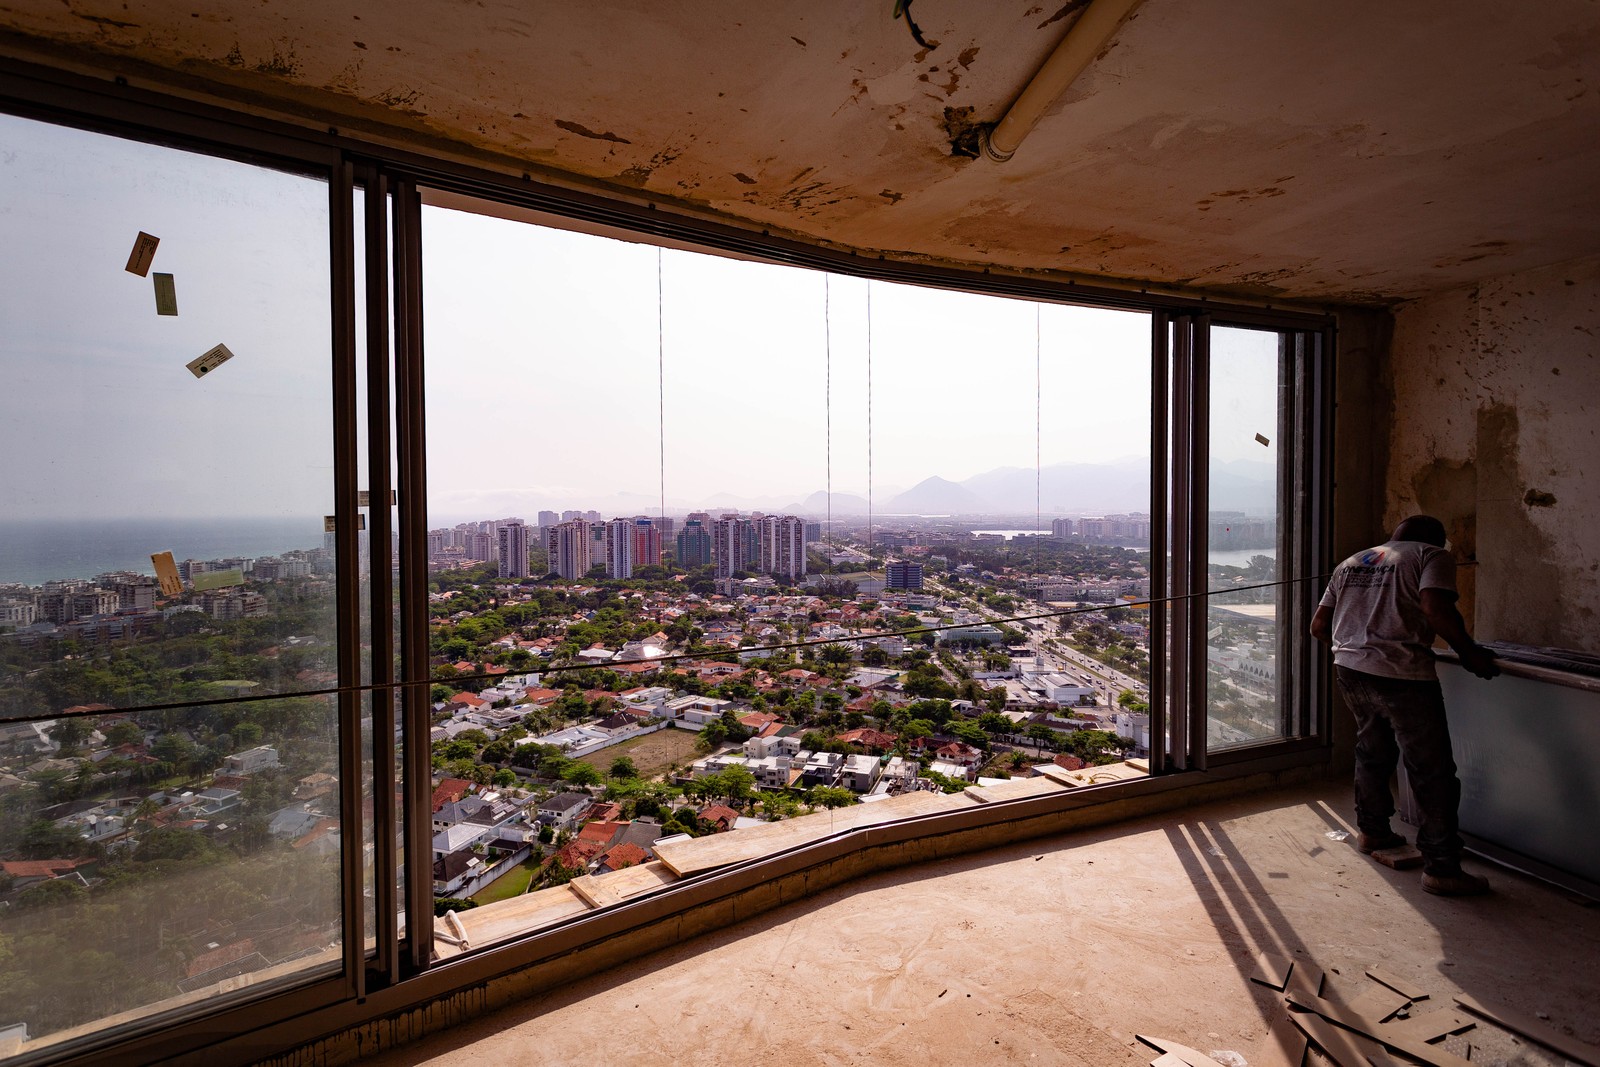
(599, 684)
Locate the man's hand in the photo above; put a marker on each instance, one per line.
(1479, 661)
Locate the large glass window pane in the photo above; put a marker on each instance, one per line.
(153, 856)
(1246, 611)
(761, 473)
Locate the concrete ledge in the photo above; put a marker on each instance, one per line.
(481, 982)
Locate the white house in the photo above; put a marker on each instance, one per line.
(860, 773)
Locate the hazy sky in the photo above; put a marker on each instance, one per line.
(565, 325)
(101, 418)
(547, 377)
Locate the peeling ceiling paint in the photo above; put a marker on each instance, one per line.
(1357, 152)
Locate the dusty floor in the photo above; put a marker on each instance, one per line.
(1059, 951)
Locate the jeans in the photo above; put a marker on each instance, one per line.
(1399, 719)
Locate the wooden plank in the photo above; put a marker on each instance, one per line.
(1338, 1013)
(1306, 979)
(1015, 789)
(1272, 970)
(1408, 989)
(1183, 1052)
(530, 911)
(1430, 1026)
(1284, 1045)
(1343, 1047)
(601, 890)
(1169, 1059)
(694, 856)
(1533, 1029)
(1379, 1003)
(1057, 774)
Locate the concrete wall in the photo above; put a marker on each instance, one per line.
(1495, 391)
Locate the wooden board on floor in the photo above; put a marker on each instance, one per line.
(1431, 1026)
(1399, 985)
(1015, 789)
(1284, 1045)
(1338, 1013)
(1533, 1029)
(1168, 1059)
(1378, 1003)
(1306, 978)
(600, 890)
(1341, 1046)
(1272, 970)
(518, 915)
(1183, 1052)
(700, 854)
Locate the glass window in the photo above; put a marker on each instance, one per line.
(747, 471)
(182, 410)
(1246, 523)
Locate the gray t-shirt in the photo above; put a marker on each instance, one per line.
(1376, 596)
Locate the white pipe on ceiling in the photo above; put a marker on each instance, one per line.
(1083, 43)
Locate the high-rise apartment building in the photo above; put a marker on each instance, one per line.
(647, 539)
(619, 548)
(694, 544)
(903, 574)
(548, 519)
(783, 546)
(567, 545)
(1061, 529)
(727, 546)
(478, 545)
(513, 550)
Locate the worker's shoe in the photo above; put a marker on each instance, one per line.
(1457, 883)
(1367, 844)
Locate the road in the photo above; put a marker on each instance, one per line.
(1108, 680)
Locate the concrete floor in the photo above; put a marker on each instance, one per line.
(1059, 951)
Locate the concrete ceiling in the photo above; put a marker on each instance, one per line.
(1355, 152)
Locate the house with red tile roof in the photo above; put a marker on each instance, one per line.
(719, 815)
(450, 790)
(28, 872)
(868, 738)
(575, 855)
(959, 752)
(623, 855)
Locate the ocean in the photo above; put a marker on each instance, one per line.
(35, 551)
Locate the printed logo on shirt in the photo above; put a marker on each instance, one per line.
(1367, 569)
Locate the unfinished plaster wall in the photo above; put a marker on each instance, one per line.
(1496, 429)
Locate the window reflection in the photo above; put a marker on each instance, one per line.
(151, 854)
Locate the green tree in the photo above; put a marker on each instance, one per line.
(622, 767)
(827, 796)
(580, 773)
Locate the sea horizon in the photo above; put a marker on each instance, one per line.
(35, 551)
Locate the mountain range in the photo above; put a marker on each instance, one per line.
(1079, 488)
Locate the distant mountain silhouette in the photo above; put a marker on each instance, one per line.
(816, 505)
(1106, 488)
(1080, 488)
(937, 496)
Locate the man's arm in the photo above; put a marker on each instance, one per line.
(1322, 624)
(1439, 605)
